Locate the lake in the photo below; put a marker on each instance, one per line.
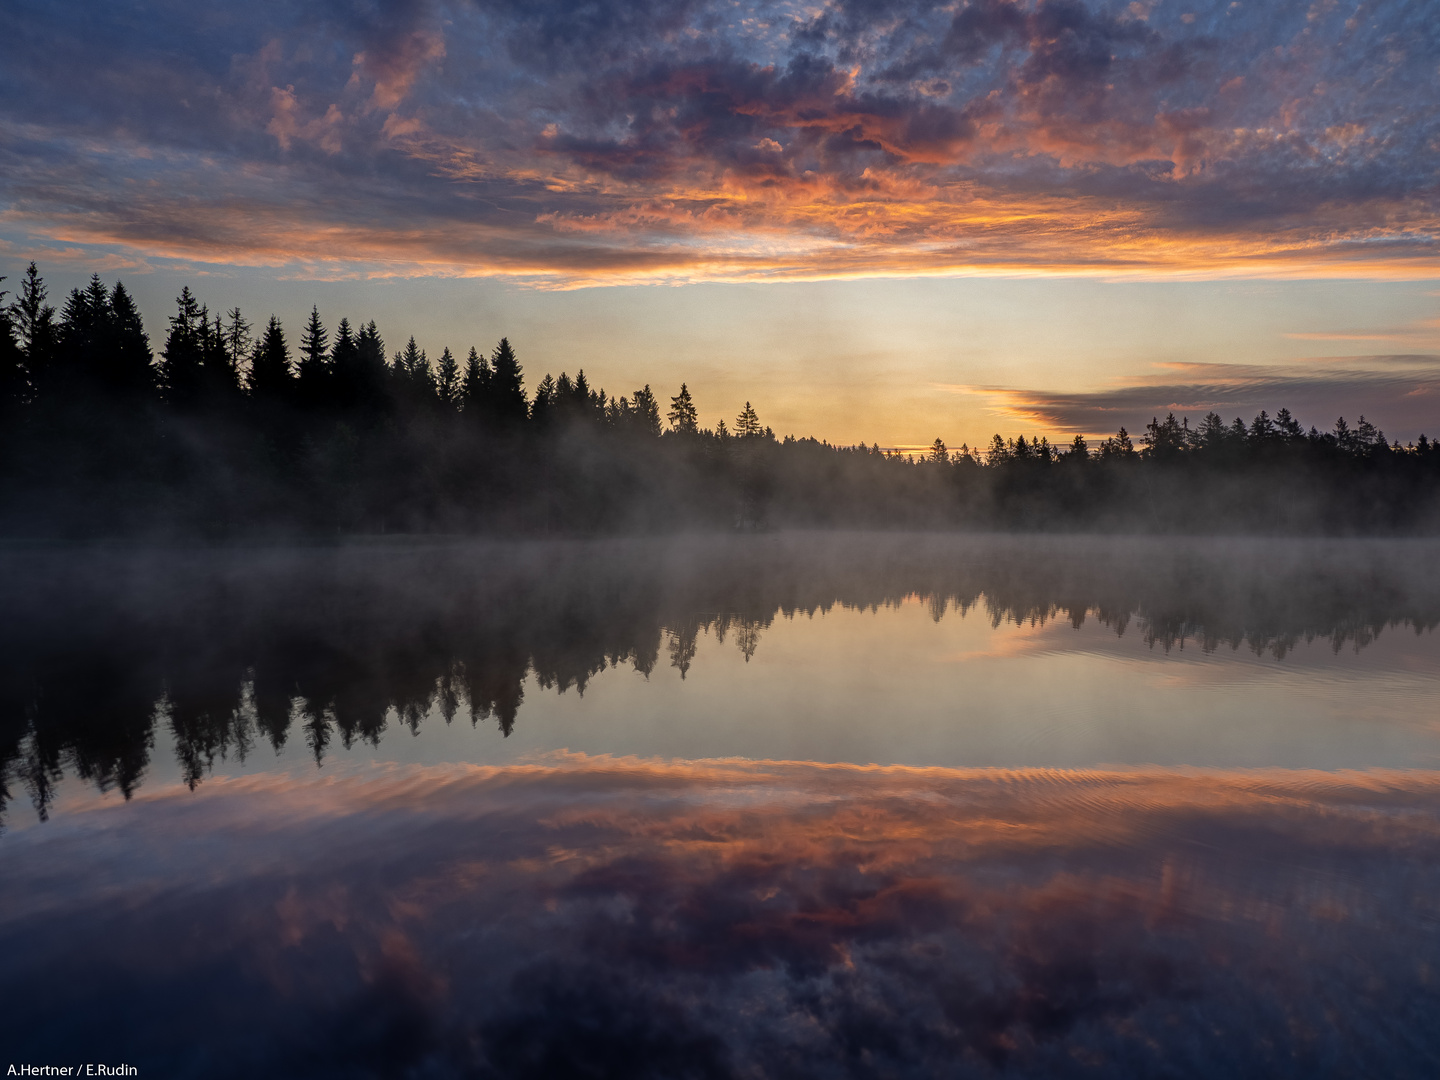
(773, 805)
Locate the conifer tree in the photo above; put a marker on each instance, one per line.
(35, 326)
(747, 424)
(13, 385)
(372, 375)
(507, 385)
(270, 377)
(1119, 445)
(1262, 429)
(1210, 434)
(182, 360)
(475, 385)
(410, 371)
(132, 363)
(683, 416)
(938, 452)
(31, 312)
(239, 340)
(645, 412)
(582, 398)
(313, 376)
(1164, 440)
(542, 409)
(221, 381)
(345, 376)
(1287, 427)
(82, 363)
(447, 380)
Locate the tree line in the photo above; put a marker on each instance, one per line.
(229, 428)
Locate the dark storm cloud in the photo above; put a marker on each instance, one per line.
(731, 140)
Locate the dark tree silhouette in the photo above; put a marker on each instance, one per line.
(98, 438)
(447, 380)
(475, 386)
(13, 383)
(312, 383)
(683, 416)
(506, 389)
(271, 378)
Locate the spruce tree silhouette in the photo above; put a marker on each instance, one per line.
(131, 367)
(447, 380)
(13, 384)
(373, 374)
(35, 325)
(86, 342)
(413, 379)
(182, 359)
(542, 408)
(312, 383)
(506, 389)
(271, 378)
(475, 388)
(683, 416)
(239, 341)
(645, 412)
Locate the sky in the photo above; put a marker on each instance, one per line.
(878, 220)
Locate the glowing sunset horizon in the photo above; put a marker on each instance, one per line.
(1028, 173)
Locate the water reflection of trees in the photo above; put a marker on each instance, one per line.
(231, 651)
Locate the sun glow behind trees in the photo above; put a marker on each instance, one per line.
(231, 432)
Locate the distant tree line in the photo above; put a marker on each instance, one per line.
(230, 429)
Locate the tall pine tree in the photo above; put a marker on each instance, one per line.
(507, 386)
(35, 326)
(182, 358)
(683, 416)
(475, 387)
(447, 380)
(312, 383)
(270, 378)
(13, 384)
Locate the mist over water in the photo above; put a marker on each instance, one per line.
(771, 805)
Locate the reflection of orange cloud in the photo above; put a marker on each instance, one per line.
(996, 910)
(822, 802)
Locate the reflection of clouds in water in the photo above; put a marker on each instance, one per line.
(737, 918)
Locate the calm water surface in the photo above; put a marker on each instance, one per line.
(765, 806)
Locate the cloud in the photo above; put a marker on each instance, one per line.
(1399, 392)
(538, 139)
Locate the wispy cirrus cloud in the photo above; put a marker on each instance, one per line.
(642, 141)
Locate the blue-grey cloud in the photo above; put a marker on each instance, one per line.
(1399, 393)
(720, 139)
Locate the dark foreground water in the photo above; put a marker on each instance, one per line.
(776, 806)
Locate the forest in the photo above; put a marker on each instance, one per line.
(230, 430)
